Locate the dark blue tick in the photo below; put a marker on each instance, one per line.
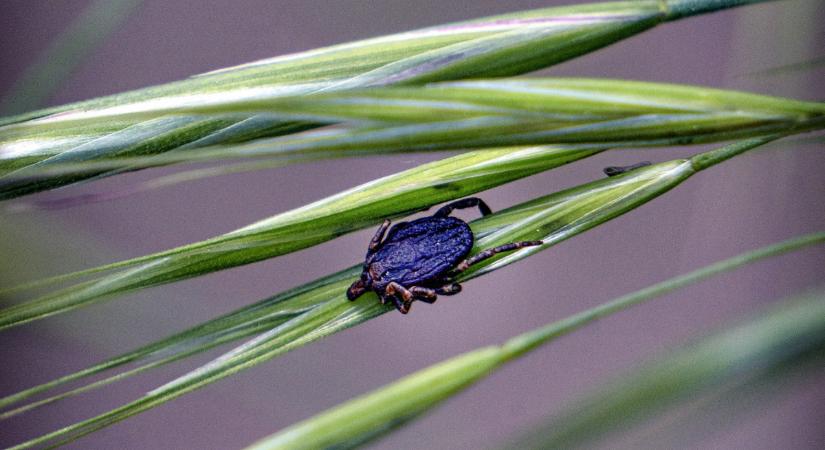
(420, 259)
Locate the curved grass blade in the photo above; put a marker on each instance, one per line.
(785, 337)
(242, 323)
(484, 132)
(496, 46)
(560, 101)
(512, 43)
(138, 141)
(325, 67)
(552, 219)
(402, 193)
(85, 33)
(802, 66)
(494, 113)
(146, 186)
(727, 355)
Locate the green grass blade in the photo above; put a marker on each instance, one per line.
(552, 218)
(158, 182)
(402, 193)
(485, 114)
(678, 9)
(242, 323)
(555, 34)
(86, 32)
(496, 46)
(568, 28)
(785, 69)
(138, 141)
(483, 132)
(500, 45)
(561, 101)
(787, 336)
(364, 205)
(376, 413)
(372, 415)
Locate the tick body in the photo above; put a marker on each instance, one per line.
(418, 260)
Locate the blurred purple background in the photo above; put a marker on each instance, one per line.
(751, 201)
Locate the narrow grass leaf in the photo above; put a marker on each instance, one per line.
(574, 29)
(402, 193)
(242, 323)
(552, 218)
(790, 334)
(158, 182)
(87, 31)
(561, 101)
(374, 414)
(485, 114)
(785, 69)
(504, 45)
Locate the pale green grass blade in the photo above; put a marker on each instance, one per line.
(541, 111)
(86, 32)
(325, 67)
(803, 66)
(561, 101)
(482, 132)
(242, 323)
(134, 141)
(159, 182)
(787, 336)
(496, 46)
(402, 193)
(552, 219)
(509, 44)
(376, 413)
(483, 114)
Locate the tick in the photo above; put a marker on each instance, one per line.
(419, 260)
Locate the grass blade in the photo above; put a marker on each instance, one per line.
(326, 67)
(561, 101)
(369, 416)
(402, 193)
(478, 114)
(552, 219)
(86, 32)
(496, 46)
(242, 323)
(787, 336)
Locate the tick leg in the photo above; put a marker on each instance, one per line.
(395, 289)
(468, 202)
(379, 235)
(449, 289)
(426, 295)
(612, 171)
(400, 295)
(490, 252)
(402, 306)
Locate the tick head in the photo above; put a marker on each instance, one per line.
(359, 287)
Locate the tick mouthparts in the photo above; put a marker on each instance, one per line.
(356, 290)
